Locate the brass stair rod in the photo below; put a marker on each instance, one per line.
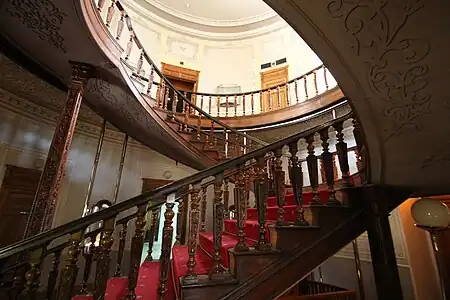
(119, 175)
(94, 170)
(362, 295)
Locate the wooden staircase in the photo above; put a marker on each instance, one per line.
(261, 254)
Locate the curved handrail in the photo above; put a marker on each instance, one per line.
(154, 68)
(195, 179)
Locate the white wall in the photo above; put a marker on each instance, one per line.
(219, 61)
(24, 142)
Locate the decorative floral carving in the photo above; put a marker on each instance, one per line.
(41, 16)
(396, 68)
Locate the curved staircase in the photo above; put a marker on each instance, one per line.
(261, 254)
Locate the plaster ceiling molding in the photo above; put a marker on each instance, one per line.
(182, 48)
(154, 16)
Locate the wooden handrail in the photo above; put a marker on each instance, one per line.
(168, 83)
(79, 224)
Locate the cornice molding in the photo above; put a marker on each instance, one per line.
(147, 18)
(210, 22)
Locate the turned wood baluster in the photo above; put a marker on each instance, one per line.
(253, 103)
(129, 47)
(122, 240)
(327, 159)
(241, 209)
(160, 94)
(198, 128)
(296, 90)
(201, 102)
(155, 213)
(166, 249)
(69, 273)
(235, 106)
(226, 106)
(315, 82)
(137, 243)
(100, 5)
(342, 152)
(311, 161)
(33, 275)
(279, 186)
(325, 77)
(261, 105)
(297, 185)
(209, 107)
(53, 276)
(210, 139)
(139, 64)
(226, 198)
(305, 82)
(288, 101)
(270, 99)
(166, 98)
(110, 13)
(88, 253)
(192, 111)
(203, 210)
(218, 105)
(151, 76)
(193, 230)
(120, 25)
(278, 97)
(261, 190)
(243, 106)
(174, 105)
(217, 227)
(180, 221)
(104, 259)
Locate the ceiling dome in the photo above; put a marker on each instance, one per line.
(217, 12)
(220, 17)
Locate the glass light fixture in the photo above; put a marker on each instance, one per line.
(432, 215)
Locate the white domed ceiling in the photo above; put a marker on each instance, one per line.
(210, 16)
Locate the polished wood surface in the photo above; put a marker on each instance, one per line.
(16, 198)
(270, 78)
(183, 79)
(324, 100)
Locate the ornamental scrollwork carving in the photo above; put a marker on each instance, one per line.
(397, 71)
(42, 17)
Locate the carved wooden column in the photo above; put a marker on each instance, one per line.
(241, 210)
(297, 185)
(104, 259)
(193, 230)
(203, 210)
(279, 186)
(49, 185)
(342, 152)
(327, 159)
(216, 270)
(261, 189)
(166, 249)
(311, 161)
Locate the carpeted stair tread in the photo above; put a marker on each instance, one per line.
(148, 282)
(251, 228)
(228, 241)
(181, 257)
(116, 288)
(307, 197)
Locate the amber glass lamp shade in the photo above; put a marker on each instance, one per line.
(431, 213)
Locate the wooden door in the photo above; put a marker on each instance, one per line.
(16, 199)
(272, 78)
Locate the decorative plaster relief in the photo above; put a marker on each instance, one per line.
(41, 16)
(396, 69)
(182, 48)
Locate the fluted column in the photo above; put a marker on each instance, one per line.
(49, 185)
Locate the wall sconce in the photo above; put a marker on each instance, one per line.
(432, 215)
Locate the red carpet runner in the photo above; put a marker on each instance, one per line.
(148, 279)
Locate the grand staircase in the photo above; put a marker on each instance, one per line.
(262, 254)
(279, 231)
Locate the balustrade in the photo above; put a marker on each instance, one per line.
(252, 173)
(243, 176)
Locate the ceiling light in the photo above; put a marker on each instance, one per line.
(188, 5)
